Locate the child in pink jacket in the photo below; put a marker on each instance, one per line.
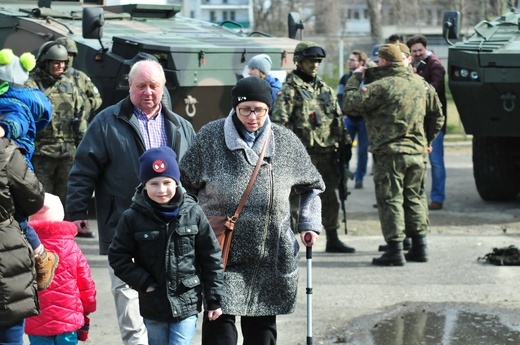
(71, 296)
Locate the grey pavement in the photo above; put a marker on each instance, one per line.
(351, 296)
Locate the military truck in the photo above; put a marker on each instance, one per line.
(484, 79)
(202, 61)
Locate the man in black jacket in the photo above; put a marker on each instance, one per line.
(107, 162)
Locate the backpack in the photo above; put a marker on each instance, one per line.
(505, 256)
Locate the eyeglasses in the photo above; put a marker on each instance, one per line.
(259, 112)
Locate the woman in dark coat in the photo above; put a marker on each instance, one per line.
(261, 276)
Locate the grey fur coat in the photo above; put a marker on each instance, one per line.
(261, 276)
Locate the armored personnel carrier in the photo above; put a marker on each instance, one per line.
(484, 79)
(202, 61)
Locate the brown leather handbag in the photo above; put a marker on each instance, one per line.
(223, 226)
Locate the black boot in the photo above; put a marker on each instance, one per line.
(334, 245)
(392, 257)
(407, 245)
(419, 251)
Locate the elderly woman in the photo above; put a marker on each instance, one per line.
(261, 276)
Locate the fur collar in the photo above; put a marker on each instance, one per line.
(49, 229)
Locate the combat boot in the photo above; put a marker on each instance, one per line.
(334, 245)
(393, 256)
(407, 245)
(46, 263)
(419, 251)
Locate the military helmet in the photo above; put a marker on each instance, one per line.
(52, 51)
(69, 44)
(307, 49)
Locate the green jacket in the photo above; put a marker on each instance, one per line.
(395, 105)
(311, 111)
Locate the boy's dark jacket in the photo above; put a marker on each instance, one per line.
(182, 257)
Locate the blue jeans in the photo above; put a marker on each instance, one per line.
(68, 338)
(12, 335)
(438, 192)
(165, 333)
(358, 127)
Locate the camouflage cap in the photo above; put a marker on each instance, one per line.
(308, 49)
(69, 44)
(390, 52)
(404, 49)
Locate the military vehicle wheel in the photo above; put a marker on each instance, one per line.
(495, 167)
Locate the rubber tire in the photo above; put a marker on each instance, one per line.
(495, 167)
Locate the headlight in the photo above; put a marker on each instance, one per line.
(463, 74)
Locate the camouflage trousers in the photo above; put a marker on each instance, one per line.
(400, 194)
(326, 164)
(53, 174)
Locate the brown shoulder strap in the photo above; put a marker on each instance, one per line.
(251, 181)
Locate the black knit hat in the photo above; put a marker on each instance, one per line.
(159, 161)
(252, 89)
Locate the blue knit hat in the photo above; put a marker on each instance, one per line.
(261, 62)
(159, 161)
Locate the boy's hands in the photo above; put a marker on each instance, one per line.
(214, 314)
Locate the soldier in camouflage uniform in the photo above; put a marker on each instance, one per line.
(396, 105)
(56, 143)
(88, 91)
(308, 106)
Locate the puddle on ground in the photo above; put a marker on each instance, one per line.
(447, 327)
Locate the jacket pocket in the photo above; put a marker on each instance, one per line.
(185, 240)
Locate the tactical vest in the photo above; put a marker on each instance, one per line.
(315, 118)
(63, 102)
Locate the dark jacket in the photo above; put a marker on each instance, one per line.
(433, 72)
(18, 185)
(181, 257)
(107, 162)
(261, 276)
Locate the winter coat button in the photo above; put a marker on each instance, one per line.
(188, 230)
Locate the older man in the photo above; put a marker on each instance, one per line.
(107, 162)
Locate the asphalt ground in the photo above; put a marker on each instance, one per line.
(350, 295)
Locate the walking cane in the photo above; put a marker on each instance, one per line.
(308, 239)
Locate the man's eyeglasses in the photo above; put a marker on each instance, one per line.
(259, 112)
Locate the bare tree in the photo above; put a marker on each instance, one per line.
(374, 13)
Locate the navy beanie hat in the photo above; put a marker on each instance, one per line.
(159, 161)
(252, 89)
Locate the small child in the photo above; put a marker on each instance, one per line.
(165, 249)
(71, 296)
(23, 112)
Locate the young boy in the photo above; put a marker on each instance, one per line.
(23, 112)
(165, 249)
(65, 304)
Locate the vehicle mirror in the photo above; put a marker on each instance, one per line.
(93, 21)
(294, 23)
(451, 25)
